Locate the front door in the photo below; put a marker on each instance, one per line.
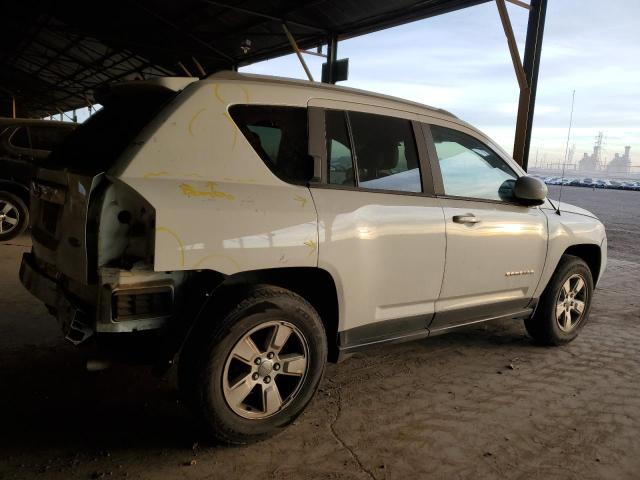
(495, 248)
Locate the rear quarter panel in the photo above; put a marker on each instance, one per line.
(217, 205)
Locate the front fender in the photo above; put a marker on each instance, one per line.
(567, 230)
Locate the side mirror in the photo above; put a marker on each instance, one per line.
(530, 191)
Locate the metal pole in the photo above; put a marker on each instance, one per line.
(13, 106)
(532, 50)
(332, 56)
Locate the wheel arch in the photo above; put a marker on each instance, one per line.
(591, 254)
(315, 285)
(17, 189)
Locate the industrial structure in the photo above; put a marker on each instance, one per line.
(593, 162)
(620, 163)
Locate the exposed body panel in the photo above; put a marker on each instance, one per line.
(385, 252)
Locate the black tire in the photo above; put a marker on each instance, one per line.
(544, 326)
(205, 363)
(16, 211)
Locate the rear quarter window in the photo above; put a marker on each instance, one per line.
(279, 136)
(96, 145)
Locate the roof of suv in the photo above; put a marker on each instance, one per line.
(249, 77)
(178, 83)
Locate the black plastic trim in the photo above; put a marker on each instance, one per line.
(422, 326)
(369, 190)
(463, 316)
(386, 331)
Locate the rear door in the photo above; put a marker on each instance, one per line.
(381, 230)
(496, 248)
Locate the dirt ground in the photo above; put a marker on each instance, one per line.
(482, 403)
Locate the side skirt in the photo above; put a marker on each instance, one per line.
(408, 329)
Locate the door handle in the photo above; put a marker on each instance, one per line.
(469, 218)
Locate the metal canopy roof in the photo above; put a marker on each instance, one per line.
(54, 53)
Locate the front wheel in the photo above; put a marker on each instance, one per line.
(564, 306)
(252, 373)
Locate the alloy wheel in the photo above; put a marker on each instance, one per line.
(265, 370)
(9, 216)
(571, 302)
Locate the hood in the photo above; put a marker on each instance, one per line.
(567, 207)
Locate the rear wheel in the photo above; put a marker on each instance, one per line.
(251, 374)
(14, 216)
(565, 304)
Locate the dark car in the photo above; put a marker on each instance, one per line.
(24, 144)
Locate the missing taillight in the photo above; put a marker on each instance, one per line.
(141, 303)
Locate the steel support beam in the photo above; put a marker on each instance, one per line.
(332, 56)
(532, 51)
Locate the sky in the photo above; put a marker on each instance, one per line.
(460, 62)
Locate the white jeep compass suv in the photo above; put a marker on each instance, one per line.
(254, 227)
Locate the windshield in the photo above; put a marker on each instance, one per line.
(96, 145)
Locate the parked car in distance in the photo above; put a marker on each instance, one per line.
(24, 144)
(258, 227)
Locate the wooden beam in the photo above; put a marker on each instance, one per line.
(294, 45)
(513, 46)
(520, 4)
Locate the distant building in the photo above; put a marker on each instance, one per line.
(620, 163)
(591, 162)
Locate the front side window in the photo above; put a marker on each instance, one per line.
(470, 168)
(279, 136)
(385, 152)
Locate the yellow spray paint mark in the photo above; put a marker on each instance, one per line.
(312, 245)
(177, 239)
(246, 93)
(221, 99)
(302, 200)
(193, 119)
(224, 257)
(210, 191)
(195, 175)
(216, 92)
(155, 174)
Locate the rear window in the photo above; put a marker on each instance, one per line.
(96, 144)
(279, 136)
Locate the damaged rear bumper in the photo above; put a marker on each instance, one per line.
(125, 302)
(73, 320)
